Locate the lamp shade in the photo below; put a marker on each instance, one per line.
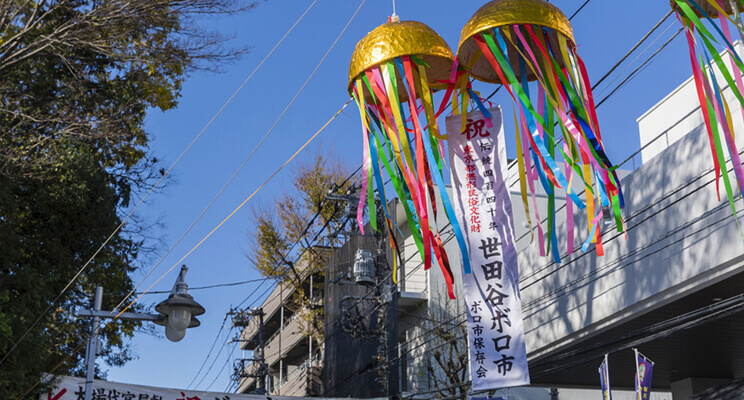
(502, 14)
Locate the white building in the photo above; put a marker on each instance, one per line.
(673, 288)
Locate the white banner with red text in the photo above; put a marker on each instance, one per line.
(498, 358)
(71, 388)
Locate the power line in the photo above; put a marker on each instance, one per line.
(114, 318)
(579, 10)
(634, 48)
(224, 343)
(639, 212)
(632, 74)
(665, 328)
(271, 129)
(162, 177)
(227, 361)
(208, 353)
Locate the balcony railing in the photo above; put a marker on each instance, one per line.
(287, 339)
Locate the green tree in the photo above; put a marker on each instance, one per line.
(299, 216)
(76, 80)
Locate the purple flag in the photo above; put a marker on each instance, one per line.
(644, 372)
(604, 378)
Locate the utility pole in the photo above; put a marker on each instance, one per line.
(177, 313)
(93, 344)
(241, 319)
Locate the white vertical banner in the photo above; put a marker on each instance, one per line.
(498, 358)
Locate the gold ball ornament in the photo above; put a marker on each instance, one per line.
(502, 14)
(401, 38)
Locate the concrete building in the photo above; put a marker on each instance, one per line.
(672, 288)
(293, 356)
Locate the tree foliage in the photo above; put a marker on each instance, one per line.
(300, 216)
(447, 361)
(76, 80)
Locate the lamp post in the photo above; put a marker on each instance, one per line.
(177, 313)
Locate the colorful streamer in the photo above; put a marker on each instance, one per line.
(515, 54)
(716, 112)
(391, 79)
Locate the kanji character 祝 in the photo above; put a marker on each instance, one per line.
(475, 129)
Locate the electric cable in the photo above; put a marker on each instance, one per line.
(219, 373)
(162, 177)
(114, 318)
(216, 357)
(643, 210)
(632, 74)
(208, 353)
(634, 48)
(625, 57)
(271, 129)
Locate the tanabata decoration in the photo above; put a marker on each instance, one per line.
(514, 42)
(717, 114)
(393, 73)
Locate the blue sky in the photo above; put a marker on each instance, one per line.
(604, 31)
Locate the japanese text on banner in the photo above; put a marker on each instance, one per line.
(478, 162)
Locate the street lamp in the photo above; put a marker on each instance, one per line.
(179, 310)
(177, 313)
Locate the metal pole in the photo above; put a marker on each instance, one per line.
(262, 360)
(310, 337)
(92, 349)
